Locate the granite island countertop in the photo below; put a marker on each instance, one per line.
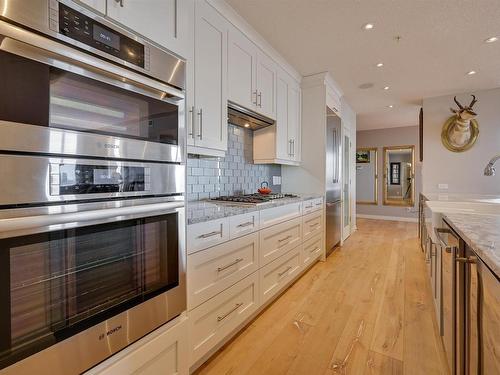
(482, 233)
(206, 210)
(461, 197)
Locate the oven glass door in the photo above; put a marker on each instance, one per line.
(57, 284)
(38, 94)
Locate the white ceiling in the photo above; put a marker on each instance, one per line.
(441, 40)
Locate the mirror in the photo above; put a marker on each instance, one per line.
(399, 175)
(366, 176)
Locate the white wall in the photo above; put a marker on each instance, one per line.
(463, 172)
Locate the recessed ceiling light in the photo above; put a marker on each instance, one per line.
(470, 73)
(390, 106)
(247, 125)
(368, 26)
(386, 88)
(491, 39)
(379, 65)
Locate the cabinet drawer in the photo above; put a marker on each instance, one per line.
(210, 322)
(312, 205)
(277, 274)
(164, 351)
(243, 224)
(212, 270)
(311, 249)
(275, 215)
(312, 224)
(203, 235)
(279, 239)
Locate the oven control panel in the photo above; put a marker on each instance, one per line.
(77, 26)
(76, 179)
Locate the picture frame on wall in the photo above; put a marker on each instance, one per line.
(363, 156)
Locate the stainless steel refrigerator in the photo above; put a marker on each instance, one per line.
(333, 181)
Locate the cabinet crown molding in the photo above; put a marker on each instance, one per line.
(323, 78)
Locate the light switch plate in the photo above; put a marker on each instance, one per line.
(443, 186)
(276, 180)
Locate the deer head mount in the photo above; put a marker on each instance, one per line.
(461, 130)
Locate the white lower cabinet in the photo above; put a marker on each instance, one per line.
(162, 352)
(279, 273)
(206, 234)
(279, 239)
(311, 250)
(215, 269)
(312, 224)
(210, 322)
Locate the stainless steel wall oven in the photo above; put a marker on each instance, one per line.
(92, 242)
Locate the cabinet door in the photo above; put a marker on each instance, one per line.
(165, 22)
(266, 85)
(210, 78)
(241, 69)
(98, 5)
(283, 144)
(294, 123)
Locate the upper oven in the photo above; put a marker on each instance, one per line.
(75, 84)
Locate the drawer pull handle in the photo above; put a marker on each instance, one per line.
(319, 204)
(248, 223)
(313, 225)
(286, 238)
(310, 206)
(211, 234)
(315, 249)
(221, 318)
(229, 265)
(285, 271)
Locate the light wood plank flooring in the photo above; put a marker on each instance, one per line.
(366, 310)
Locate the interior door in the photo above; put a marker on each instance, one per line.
(266, 85)
(241, 69)
(346, 186)
(210, 119)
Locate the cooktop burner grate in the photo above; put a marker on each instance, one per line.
(252, 198)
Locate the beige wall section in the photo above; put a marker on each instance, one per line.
(380, 138)
(463, 172)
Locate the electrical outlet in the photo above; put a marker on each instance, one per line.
(276, 180)
(443, 186)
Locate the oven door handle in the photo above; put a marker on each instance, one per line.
(43, 223)
(36, 47)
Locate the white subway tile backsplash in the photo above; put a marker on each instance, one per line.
(235, 173)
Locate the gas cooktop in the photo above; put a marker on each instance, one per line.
(252, 198)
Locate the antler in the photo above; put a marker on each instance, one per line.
(474, 100)
(456, 101)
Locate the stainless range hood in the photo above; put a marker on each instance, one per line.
(245, 118)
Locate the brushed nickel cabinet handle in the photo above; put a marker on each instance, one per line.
(289, 147)
(200, 113)
(220, 318)
(229, 265)
(286, 238)
(315, 249)
(192, 112)
(211, 234)
(285, 271)
(314, 225)
(259, 96)
(242, 225)
(256, 96)
(310, 206)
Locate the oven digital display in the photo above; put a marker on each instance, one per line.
(95, 179)
(107, 37)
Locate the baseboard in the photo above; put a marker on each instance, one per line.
(391, 218)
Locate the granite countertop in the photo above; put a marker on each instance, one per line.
(206, 210)
(481, 233)
(461, 197)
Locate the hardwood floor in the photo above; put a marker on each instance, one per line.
(366, 310)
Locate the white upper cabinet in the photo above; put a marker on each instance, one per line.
(266, 85)
(281, 143)
(165, 22)
(207, 115)
(98, 5)
(242, 63)
(251, 75)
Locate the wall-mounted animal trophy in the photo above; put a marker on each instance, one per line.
(460, 131)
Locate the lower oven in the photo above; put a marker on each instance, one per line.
(80, 282)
